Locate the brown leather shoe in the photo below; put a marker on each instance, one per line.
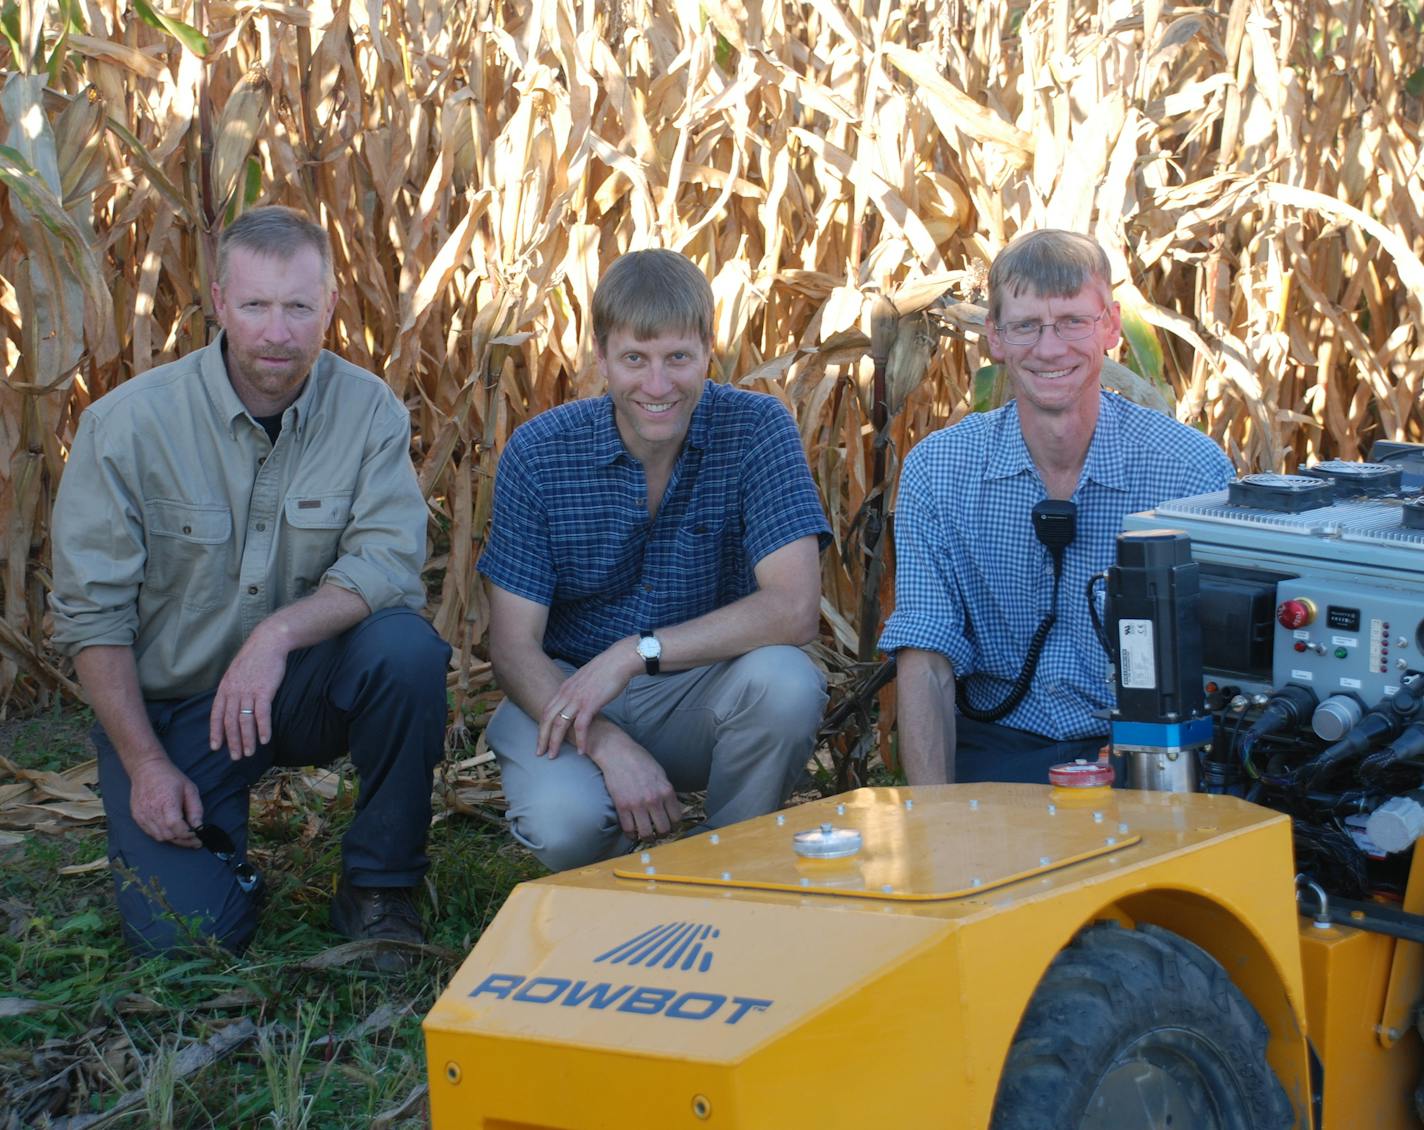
(378, 914)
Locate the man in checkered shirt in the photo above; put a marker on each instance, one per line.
(653, 568)
(972, 582)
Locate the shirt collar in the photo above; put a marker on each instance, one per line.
(607, 443)
(213, 370)
(699, 428)
(1008, 453)
(1104, 464)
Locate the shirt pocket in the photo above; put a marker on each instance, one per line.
(315, 524)
(189, 552)
(698, 564)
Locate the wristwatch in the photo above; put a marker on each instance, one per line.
(650, 651)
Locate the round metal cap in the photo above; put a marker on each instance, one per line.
(1080, 774)
(826, 842)
(1336, 717)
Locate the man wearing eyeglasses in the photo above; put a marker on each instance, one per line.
(973, 583)
(238, 541)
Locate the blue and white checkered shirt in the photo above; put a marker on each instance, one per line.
(972, 581)
(571, 530)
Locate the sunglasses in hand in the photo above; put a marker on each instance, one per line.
(220, 844)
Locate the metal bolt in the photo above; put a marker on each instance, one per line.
(1097, 818)
(1393, 1033)
(840, 810)
(645, 857)
(726, 876)
(909, 804)
(976, 882)
(973, 805)
(805, 882)
(714, 838)
(1044, 861)
(1110, 841)
(1053, 810)
(1122, 828)
(780, 819)
(887, 888)
(650, 870)
(826, 829)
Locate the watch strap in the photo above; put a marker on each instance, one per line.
(651, 663)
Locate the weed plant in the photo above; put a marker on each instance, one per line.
(288, 1036)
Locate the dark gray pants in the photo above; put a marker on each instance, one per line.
(986, 751)
(377, 691)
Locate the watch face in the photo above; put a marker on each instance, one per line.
(649, 648)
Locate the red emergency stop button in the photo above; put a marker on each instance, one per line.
(1295, 614)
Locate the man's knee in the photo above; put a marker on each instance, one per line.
(403, 648)
(171, 920)
(780, 688)
(563, 837)
(560, 809)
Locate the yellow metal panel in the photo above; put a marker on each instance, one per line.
(1366, 1084)
(605, 968)
(1406, 977)
(905, 852)
(935, 988)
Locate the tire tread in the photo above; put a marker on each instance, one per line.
(1109, 984)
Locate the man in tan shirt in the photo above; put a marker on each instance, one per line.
(238, 541)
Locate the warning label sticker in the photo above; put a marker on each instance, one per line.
(1137, 663)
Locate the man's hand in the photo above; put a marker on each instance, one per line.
(580, 698)
(644, 797)
(164, 803)
(242, 708)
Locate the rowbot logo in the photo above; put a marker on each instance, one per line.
(679, 947)
(665, 944)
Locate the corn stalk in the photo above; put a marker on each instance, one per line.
(1252, 166)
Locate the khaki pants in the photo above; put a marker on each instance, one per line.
(743, 730)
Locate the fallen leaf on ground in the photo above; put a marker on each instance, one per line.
(18, 1006)
(99, 864)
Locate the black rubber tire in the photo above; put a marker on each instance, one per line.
(1139, 1030)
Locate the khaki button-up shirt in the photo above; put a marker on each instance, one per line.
(179, 526)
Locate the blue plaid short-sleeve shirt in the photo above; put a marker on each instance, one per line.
(570, 527)
(972, 582)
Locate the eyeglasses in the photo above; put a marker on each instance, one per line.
(1070, 327)
(220, 844)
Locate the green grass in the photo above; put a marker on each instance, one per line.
(334, 1047)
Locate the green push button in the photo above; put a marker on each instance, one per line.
(1340, 653)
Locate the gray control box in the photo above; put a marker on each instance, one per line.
(1355, 574)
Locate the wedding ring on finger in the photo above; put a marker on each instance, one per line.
(247, 710)
(566, 717)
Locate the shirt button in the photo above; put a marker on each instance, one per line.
(252, 590)
(187, 529)
(261, 459)
(647, 588)
(261, 526)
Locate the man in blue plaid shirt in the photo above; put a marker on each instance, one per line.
(653, 568)
(972, 582)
